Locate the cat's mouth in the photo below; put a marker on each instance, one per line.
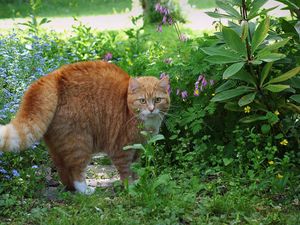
(149, 115)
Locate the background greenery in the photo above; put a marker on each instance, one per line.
(57, 8)
(219, 161)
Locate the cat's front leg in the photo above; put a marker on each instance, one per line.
(122, 161)
(83, 188)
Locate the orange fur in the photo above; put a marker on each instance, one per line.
(84, 108)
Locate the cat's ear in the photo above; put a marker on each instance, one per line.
(133, 84)
(165, 83)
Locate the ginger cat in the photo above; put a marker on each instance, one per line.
(84, 108)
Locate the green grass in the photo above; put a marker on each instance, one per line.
(63, 8)
(182, 203)
(201, 4)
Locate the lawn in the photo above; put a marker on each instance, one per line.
(200, 4)
(58, 8)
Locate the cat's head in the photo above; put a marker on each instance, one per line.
(148, 96)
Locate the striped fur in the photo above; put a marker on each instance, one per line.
(84, 108)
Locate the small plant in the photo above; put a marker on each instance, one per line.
(34, 24)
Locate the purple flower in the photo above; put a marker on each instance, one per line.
(34, 167)
(159, 28)
(204, 82)
(184, 95)
(163, 75)
(170, 20)
(164, 20)
(168, 60)
(183, 37)
(108, 56)
(211, 82)
(15, 173)
(158, 7)
(165, 11)
(196, 92)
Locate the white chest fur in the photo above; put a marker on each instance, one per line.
(152, 124)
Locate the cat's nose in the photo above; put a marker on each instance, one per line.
(151, 108)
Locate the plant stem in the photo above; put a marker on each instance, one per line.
(248, 47)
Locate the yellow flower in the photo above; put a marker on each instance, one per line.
(271, 162)
(284, 142)
(213, 94)
(247, 109)
(279, 176)
(276, 113)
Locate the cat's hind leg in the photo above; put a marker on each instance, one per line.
(71, 159)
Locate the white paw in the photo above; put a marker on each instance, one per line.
(82, 187)
(89, 190)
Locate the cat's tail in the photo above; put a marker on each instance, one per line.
(34, 116)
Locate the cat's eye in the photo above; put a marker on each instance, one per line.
(157, 100)
(142, 101)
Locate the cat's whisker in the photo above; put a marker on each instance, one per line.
(168, 114)
(132, 118)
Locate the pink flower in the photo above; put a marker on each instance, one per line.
(164, 20)
(184, 95)
(159, 28)
(183, 37)
(107, 57)
(168, 60)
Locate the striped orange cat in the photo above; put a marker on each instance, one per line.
(85, 108)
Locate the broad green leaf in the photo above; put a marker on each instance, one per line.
(227, 85)
(247, 99)
(260, 33)
(288, 27)
(276, 87)
(224, 95)
(296, 98)
(253, 118)
(265, 128)
(293, 107)
(219, 15)
(233, 40)
(233, 69)
(243, 75)
(271, 57)
(233, 106)
(272, 47)
(279, 136)
(219, 51)
(291, 73)
(295, 82)
(219, 59)
(245, 30)
(156, 138)
(255, 7)
(227, 161)
(228, 9)
(265, 72)
(135, 147)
